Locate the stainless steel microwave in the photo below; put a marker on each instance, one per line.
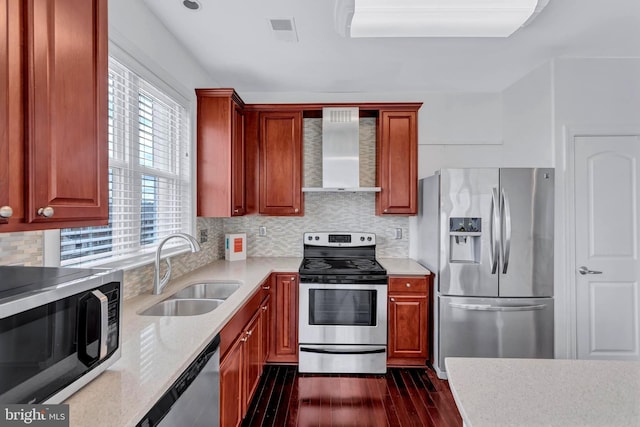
(59, 329)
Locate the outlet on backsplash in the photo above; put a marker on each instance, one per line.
(204, 235)
(262, 231)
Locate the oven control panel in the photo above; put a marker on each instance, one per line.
(337, 239)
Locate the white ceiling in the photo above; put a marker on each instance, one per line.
(232, 39)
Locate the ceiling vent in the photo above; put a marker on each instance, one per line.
(284, 29)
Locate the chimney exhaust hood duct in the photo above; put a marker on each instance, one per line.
(341, 151)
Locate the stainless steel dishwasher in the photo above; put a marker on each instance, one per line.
(194, 399)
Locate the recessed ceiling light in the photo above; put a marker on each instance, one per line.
(191, 4)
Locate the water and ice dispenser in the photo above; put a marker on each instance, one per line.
(465, 236)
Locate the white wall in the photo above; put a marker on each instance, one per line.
(134, 28)
(527, 120)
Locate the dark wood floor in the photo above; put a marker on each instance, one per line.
(402, 397)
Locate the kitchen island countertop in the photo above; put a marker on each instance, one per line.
(157, 349)
(545, 392)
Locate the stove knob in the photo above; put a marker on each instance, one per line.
(362, 238)
(369, 238)
(310, 238)
(317, 237)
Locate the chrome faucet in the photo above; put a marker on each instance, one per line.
(159, 284)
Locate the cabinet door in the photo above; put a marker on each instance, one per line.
(220, 142)
(66, 128)
(285, 333)
(253, 358)
(238, 164)
(397, 163)
(408, 327)
(11, 113)
(231, 385)
(408, 338)
(281, 163)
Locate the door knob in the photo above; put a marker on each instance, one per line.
(584, 270)
(6, 212)
(46, 212)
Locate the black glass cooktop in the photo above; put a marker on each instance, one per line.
(333, 266)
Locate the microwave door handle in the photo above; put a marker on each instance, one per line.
(104, 321)
(87, 323)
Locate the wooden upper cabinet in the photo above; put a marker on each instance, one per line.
(11, 115)
(66, 111)
(53, 114)
(280, 160)
(397, 158)
(220, 153)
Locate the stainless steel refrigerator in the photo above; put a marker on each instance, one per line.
(488, 235)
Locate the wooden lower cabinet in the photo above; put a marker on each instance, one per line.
(408, 320)
(284, 347)
(243, 352)
(231, 383)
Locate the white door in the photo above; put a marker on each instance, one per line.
(607, 201)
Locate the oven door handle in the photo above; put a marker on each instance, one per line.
(346, 351)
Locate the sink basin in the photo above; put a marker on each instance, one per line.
(208, 290)
(182, 307)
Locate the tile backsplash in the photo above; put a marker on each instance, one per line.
(322, 212)
(21, 248)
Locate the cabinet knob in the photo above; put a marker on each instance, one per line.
(296, 210)
(266, 288)
(249, 333)
(243, 339)
(6, 212)
(392, 299)
(386, 210)
(264, 308)
(46, 212)
(236, 210)
(293, 279)
(408, 285)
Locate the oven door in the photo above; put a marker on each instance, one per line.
(334, 314)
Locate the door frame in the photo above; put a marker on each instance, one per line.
(567, 307)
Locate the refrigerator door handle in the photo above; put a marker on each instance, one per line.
(505, 208)
(489, 307)
(494, 233)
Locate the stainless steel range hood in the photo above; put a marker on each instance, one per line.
(340, 151)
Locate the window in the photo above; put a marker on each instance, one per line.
(149, 174)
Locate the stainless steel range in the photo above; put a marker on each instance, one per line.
(343, 305)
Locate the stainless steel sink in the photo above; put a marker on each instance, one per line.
(182, 307)
(208, 290)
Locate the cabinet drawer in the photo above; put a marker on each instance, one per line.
(408, 284)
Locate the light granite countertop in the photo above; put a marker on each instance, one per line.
(402, 267)
(157, 349)
(545, 392)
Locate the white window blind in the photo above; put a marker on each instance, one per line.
(149, 174)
